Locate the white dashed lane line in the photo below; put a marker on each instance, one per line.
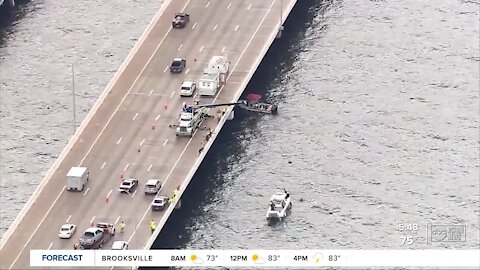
(68, 219)
(85, 194)
(103, 165)
(135, 117)
(236, 27)
(195, 24)
(208, 4)
(119, 140)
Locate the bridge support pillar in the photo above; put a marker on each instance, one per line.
(279, 33)
(231, 115)
(179, 204)
(11, 3)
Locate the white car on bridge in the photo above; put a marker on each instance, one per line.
(119, 245)
(67, 230)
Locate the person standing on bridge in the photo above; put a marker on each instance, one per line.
(122, 226)
(153, 226)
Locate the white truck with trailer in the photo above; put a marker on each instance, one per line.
(190, 120)
(210, 81)
(77, 178)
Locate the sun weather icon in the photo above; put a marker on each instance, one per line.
(195, 259)
(257, 259)
(318, 258)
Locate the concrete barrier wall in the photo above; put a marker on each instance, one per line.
(83, 125)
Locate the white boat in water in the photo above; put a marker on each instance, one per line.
(280, 206)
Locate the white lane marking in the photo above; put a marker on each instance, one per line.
(215, 27)
(50, 246)
(68, 219)
(186, 72)
(130, 239)
(165, 143)
(201, 48)
(135, 117)
(158, 116)
(150, 167)
(109, 193)
(135, 192)
(165, 70)
(208, 4)
(173, 93)
(142, 142)
(151, 92)
(223, 49)
(38, 226)
(98, 137)
(195, 24)
(92, 220)
(229, 5)
(103, 165)
(249, 7)
(119, 140)
(179, 48)
(126, 167)
(236, 28)
(86, 191)
(116, 221)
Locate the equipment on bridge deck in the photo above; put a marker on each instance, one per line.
(77, 178)
(192, 116)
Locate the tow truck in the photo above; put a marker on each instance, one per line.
(192, 116)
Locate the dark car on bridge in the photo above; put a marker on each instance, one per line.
(178, 64)
(180, 20)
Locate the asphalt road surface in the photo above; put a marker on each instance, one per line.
(130, 134)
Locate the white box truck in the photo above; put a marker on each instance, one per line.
(210, 81)
(77, 178)
(208, 84)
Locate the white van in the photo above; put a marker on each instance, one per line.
(77, 178)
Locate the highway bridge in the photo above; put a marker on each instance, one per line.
(127, 134)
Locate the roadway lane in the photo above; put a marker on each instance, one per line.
(222, 27)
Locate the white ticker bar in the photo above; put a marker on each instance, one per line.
(466, 259)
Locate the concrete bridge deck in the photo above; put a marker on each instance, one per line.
(127, 130)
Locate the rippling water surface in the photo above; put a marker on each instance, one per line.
(378, 123)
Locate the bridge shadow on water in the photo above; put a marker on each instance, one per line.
(209, 179)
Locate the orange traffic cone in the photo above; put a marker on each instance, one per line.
(153, 126)
(138, 150)
(165, 105)
(121, 176)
